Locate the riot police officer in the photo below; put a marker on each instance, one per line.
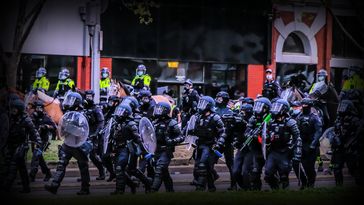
(112, 103)
(72, 102)
(285, 142)
(125, 141)
(168, 135)
(346, 145)
(243, 158)
(46, 127)
(190, 98)
(20, 128)
(250, 143)
(296, 109)
(310, 127)
(104, 84)
(271, 88)
(230, 121)
(65, 83)
(142, 79)
(41, 82)
(210, 132)
(95, 120)
(145, 103)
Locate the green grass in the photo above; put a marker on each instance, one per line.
(314, 196)
(52, 152)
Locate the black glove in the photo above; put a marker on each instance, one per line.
(171, 142)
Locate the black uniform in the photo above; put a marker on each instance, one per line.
(271, 90)
(243, 158)
(285, 142)
(190, 99)
(168, 135)
(231, 121)
(126, 139)
(210, 131)
(73, 102)
(310, 127)
(21, 130)
(45, 126)
(95, 120)
(346, 147)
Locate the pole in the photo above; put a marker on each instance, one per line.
(95, 63)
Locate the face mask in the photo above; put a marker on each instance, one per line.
(296, 112)
(140, 73)
(321, 78)
(306, 110)
(105, 75)
(269, 77)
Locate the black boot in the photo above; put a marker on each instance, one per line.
(100, 177)
(52, 188)
(111, 178)
(47, 176)
(84, 191)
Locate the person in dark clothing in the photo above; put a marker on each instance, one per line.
(126, 139)
(271, 88)
(230, 120)
(168, 135)
(190, 98)
(95, 120)
(210, 132)
(285, 145)
(21, 131)
(72, 104)
(242, 160)
(347, 143)
(46, 127)
(252, 152)
(310, 127)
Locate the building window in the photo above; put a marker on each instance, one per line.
(293, 44)
(342, 46)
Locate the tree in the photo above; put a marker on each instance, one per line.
(25, 20)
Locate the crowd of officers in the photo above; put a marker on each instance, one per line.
(263, 132)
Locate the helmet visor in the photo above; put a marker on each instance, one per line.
(342, 108)
(158, 110)
(276, 108)
(69, 101)
(258, 107)
(120, 111)
(202, 104)
(62, 76)
(39, 74)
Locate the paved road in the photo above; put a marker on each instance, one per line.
(70, 185)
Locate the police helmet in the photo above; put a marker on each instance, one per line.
(123, 111)
(222, 97)
(262, 106)
(280, 107)
(40, 72)
(72, 101)
(162, 109)
(105, 73)
(206, 103)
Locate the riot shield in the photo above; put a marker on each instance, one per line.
(190, 140)
(106, 134)
(147, 134)
(73, 129)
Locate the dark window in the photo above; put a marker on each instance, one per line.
(342, 46)
(293, 44)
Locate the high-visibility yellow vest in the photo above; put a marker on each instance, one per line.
(43, 83)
